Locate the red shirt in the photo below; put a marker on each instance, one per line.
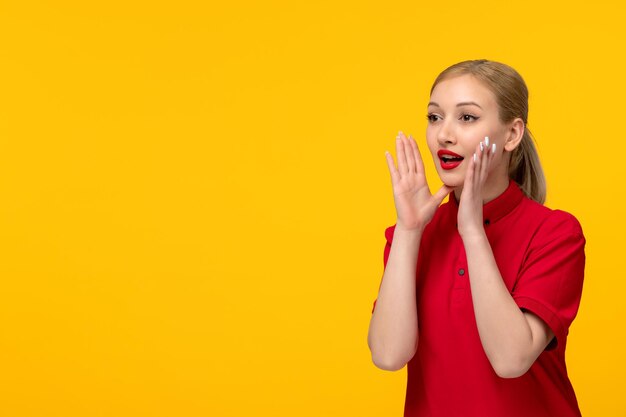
(540, 255)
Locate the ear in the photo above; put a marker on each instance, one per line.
(515, 134)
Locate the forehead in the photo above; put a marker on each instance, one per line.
(462, 88)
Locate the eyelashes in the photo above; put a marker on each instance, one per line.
(465, 117)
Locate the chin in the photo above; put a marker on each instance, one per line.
(452, 180)
(455, 186)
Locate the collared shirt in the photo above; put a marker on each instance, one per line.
(540, 256)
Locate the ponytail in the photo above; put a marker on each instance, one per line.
(525, 169)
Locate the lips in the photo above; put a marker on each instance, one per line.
(449, 159)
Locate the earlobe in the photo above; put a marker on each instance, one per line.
(516, 133)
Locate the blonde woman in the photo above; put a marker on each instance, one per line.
(478, 293)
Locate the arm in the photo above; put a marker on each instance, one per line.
(511, 338)
(392, 336)
(393, 333)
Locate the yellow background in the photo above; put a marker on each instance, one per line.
(194, 194)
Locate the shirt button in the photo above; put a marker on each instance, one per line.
(461, 271)
(487, 221)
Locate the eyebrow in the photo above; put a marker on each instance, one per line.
(464, 103)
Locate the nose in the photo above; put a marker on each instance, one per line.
(445, 134)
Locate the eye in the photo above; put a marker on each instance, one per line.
(468, 118)
(431, 117)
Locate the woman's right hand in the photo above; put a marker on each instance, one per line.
(415, 205)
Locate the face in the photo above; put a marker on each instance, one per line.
(461, 112)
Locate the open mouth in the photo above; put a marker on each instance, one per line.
(447, 159)
(449, 162)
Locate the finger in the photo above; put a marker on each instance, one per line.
(492, 155)
(484, 171)
(419, 164)
(443, 191)
(479, 157)
(392, 168)
(410, 157)
(400, 154)
(469, 177)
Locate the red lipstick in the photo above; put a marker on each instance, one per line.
(451, 160)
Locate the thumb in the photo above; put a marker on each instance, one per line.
(442, 192)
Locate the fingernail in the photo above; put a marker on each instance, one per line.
(481, 146)
(493, 148)
(474, 157)
(487, 140)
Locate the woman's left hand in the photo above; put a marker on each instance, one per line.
(470, 214)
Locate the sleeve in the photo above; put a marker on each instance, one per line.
(388, 239)
(550, 281)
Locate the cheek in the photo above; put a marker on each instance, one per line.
(432, 150)
(498, 158)
(478, 137)
(430, 136)
(431, 143)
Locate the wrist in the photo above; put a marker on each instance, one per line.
(473, 235)
(418, 230)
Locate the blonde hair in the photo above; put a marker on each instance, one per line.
(512, 97)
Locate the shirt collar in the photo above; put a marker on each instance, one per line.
(499, 206)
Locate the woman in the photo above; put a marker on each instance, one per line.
(478, 293)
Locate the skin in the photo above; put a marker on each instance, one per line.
(511, 338)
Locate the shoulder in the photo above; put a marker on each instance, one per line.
(552, 226)
(544, 219)
(565, 222)
(560, 222)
